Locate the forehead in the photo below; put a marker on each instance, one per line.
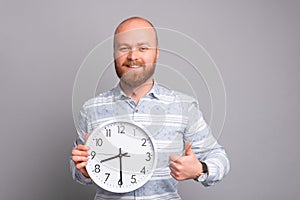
(136, 36)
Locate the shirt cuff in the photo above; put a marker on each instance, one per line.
(82, 179)
(212, 173)
(78, 176)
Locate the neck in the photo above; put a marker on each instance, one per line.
(137, 92)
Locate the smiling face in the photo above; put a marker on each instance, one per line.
(135, 52)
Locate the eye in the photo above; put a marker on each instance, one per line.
(143, 48)
(124, 49)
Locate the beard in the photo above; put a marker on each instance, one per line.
(136, 76)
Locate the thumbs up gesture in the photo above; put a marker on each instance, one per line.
(186, 166)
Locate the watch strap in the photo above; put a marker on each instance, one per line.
(204, 167)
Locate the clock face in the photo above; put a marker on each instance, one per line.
(122, 156)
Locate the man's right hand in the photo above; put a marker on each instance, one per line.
(80, 157)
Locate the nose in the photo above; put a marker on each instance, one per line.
(132, 55)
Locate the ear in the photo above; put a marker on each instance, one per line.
(157, 52)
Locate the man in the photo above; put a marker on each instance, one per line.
(173, 119)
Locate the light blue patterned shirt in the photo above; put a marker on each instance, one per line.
(173, 119)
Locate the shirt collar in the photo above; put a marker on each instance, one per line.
(154, 92)
(120, 94)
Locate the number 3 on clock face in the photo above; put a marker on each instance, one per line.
(122, 157)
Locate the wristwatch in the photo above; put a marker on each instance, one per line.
(203, 176)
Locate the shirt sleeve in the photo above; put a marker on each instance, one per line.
(205, 146)
(82, 130)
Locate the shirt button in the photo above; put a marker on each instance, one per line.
(136, 110)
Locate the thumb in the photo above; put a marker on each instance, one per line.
(187, 149)
(86, 136)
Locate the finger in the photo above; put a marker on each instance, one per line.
(174, 167)
(81, 165)
(188, 149)
(173, 157)
(79, 159)
(76, 152)
(188, 145)
(171, 165)
(86, 136)
(82, 147)
(172, 174)
(176, 175)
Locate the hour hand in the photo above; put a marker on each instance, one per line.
(116, 156)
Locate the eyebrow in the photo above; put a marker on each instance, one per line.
(138, 44)
(143, 43)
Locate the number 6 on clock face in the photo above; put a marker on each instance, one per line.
(122, 157)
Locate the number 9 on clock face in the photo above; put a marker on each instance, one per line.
(122, 156)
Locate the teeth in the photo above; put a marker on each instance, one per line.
(134, 66)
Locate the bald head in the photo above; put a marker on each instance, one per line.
(133, 23)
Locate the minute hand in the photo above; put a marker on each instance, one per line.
(116, 156)
(120, 182)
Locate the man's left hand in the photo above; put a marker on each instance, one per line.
(186, 166)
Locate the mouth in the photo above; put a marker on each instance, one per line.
(134, 66)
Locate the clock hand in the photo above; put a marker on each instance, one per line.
(120, 182)
(116, 156)
(110, 158)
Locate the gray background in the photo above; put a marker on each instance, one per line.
(255, 44)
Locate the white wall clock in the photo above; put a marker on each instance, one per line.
(122, 157)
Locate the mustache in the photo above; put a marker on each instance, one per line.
(133, 63)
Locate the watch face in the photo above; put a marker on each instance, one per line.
(122, 156)
(202, 177)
